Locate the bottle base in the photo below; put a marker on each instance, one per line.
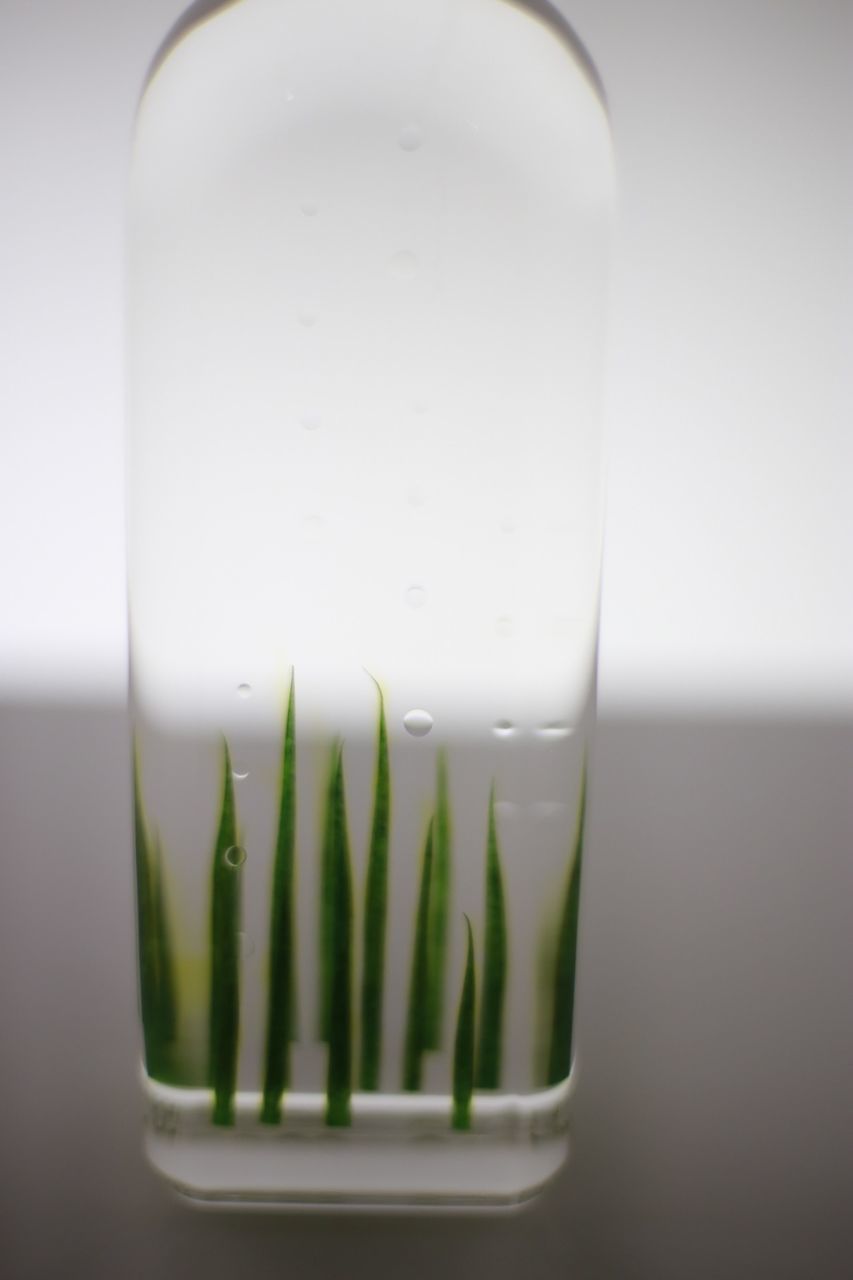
(400, 1152)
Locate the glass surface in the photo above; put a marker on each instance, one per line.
(367, 259)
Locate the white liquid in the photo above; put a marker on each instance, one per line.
(367, 257)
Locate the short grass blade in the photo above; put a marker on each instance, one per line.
(463, 1051)
(339, 1075)
(418, 1013)
(375, 915)
(281, 1008)
(226, 875)
(490, 1045)
(439, 907)
(560, 1056)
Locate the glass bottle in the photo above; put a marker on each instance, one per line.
(367, 266)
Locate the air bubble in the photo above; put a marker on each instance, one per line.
(416, 597)
(507, 525)
(235, 856)
(244, 690)
(310, 208)
(410, 138)
(240, 773)
(404, 265)
(308, 318)
(418, 723)
(503, 729)
(555, 730)
(310, 421)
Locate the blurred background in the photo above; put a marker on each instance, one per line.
(713, 1130)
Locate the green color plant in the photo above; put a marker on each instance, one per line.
(224, 1024)
(417, 1022)
(375, 914)
(157, 993)
(281, 1007)
(327, 895)
(439, 907)
(463, 1049)
(562, 1017)
(339, 1072)
(490, 1041)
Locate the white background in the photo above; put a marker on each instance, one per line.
(715, 1115)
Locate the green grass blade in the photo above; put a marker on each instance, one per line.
(339, 1076)
(439, 907)
(417, 1020)
(281, 1007)
(375, 914)
(224, 957)
(463, 1051)
(327, 899)
(490, 1044)
(145, 933)
(157, 984)
(166, 999)
(543, 999)
(560, 1055)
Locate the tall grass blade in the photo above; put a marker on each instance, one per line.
(327, 898)
(281, 1008)
(543, 1002)
(490, 1044)
(439, 907)
(418, 1014)
(158, 1005)
(375, 914)
(224, 955)
(166, 998)
(339, 1075)
(145, 933)
(560, 1055)
(463, 1050)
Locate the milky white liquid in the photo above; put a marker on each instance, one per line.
(368, 244)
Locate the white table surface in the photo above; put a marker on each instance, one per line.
(714, 1128)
